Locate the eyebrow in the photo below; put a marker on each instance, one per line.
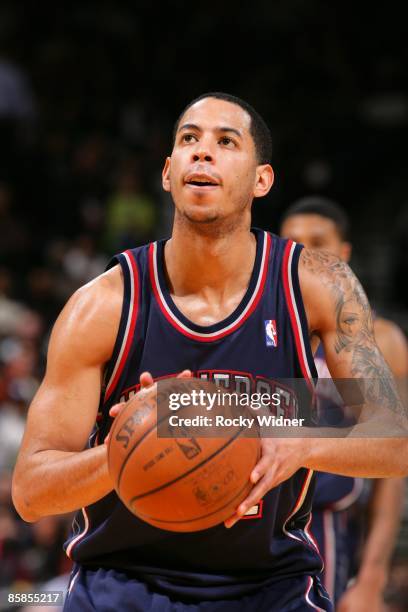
(193, 126)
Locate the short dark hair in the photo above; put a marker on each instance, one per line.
(318, 205)
(258, 129)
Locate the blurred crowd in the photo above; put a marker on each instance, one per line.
(44, 256)
(95, 204)
(81, 150)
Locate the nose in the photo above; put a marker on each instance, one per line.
(202, 157)
(202, 151)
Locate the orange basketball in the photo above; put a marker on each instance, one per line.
(178, 484)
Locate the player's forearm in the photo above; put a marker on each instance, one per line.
(56, 482)
(367, 458)
(385, 518)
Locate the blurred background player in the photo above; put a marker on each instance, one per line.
(340, 501)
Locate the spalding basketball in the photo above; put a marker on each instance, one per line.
(177, 484)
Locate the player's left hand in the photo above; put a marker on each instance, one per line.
(361, 597)
(280, 459)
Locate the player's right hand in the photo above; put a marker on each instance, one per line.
(146, 381)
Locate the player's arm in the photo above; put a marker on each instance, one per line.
(339, 313)
(388, 493)
(386, 503)
(366, 592)
(54, 474)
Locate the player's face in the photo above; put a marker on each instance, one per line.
(213, 172)
(316, 232)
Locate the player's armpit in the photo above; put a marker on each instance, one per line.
(339, 313)
(52, 473)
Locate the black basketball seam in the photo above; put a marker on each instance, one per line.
(192, 469)
(141, 515)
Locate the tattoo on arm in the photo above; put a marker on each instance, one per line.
(354, 328)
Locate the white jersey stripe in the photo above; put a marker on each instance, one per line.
(129, 319)
(352, 497)
(307, 597)
(329, 552)
(80, 535)
(292, 295)
(296, 509)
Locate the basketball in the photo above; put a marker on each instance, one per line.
(177, 484)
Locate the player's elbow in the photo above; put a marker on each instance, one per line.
(22, 500)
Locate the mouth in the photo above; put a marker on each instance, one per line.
(201, 181)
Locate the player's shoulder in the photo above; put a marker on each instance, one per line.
(318, 261)
(326, 272)
(326, 283)
(388, 331)
(110, 282)
(385, 326)
(91, 316)
(104, 292)
(320, 272)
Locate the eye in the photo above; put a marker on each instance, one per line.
(188, 138)
(350, 320)
(227, 141)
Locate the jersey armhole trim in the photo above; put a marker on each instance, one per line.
(127, 325)
(296, 310)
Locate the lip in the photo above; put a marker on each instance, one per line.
(201, 187)
(201, 177)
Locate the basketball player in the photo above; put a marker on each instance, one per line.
(200, 301)
(319, 223)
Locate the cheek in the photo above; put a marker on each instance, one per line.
(174, 178)
(243, 180)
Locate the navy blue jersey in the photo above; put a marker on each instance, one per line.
(337, 524)
(265, 338)
(333, 491)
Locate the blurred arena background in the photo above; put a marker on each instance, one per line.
(88, 96)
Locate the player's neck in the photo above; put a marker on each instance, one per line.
(221, 262)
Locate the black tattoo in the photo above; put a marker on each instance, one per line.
(354, 328)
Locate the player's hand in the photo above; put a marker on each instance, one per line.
(362, 597)
(281, 458)
(146, 381)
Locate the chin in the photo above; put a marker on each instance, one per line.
(201, 216)
(201, 213)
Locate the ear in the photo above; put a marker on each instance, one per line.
(345, 254)
(264, 180)
(166, 175)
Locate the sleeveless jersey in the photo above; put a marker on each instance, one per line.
(333, 491)
(265, 338)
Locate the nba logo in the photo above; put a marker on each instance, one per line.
(271, 335)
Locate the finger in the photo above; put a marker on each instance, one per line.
(114, 410)
(185, 374)
(146, 380)
(230, 522)
(257, 493)
(261, 468)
